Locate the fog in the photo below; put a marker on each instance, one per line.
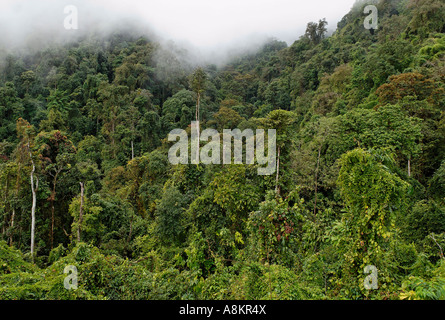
(210, 28)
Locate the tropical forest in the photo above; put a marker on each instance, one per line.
(354, 208)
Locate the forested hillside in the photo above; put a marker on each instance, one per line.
(85, 178)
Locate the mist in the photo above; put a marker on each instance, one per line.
(211, 30)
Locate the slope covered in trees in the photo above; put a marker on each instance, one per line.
(360, 117)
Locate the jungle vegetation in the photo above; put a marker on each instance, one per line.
(360, 117)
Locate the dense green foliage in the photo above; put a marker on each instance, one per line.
(360, 119)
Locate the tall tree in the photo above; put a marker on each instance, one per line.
(198, 85)
(316, 31)
(374, 198)
(26, 133)
(281, 121)
(57, 111)
(57, 154)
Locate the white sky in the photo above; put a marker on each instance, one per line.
(206, 24)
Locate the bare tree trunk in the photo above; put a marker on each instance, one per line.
(132, 150)
(80, 210)
(409, 167)
(34, 188)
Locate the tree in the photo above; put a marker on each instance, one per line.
(116, 99)
(28, 78)
(88, 174)
(316, 31)
(89, 227)
(226, 118)
(11, 179)
(26, 132)
(374, 197)
(169, 216)
(236, 192)
(274, 228)
(149, 126)
(437, 182)
(281, 121)
(428, 17)
(82, 201)
(131, 119)
(177, 110)
(57, 154)
(198, 85)
(58, 109)
(10, 110)
(387, 127)
(411, 84)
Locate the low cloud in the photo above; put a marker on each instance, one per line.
(211, 27)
